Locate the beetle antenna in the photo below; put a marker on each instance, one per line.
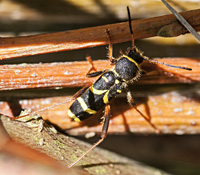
(43, 109)
(169, 65)
(130, 26)
(146, 58)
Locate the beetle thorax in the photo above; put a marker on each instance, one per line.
(128, 66)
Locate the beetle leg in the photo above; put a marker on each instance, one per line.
(94, 74)
(88, 58)
(133, 104)
(110, 48)
(103, 135)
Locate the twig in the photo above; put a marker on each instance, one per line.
(73, 74)
(172, 109)
(95, 36)
(25, 156)
(67, 149)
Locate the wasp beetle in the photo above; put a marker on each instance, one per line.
(110, 83)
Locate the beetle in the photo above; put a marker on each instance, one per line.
(110, 83)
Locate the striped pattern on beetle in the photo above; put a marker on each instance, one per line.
(109, 84)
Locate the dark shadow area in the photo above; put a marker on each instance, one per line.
(172, 153)
(69, 16)
(15, 107)
(101, 164)
(156, 50)
(52, 7)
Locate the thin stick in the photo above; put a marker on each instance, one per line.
(93, 36)
(182, 20)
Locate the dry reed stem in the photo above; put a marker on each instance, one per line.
(176, 111)
(73, 74)
(166, 26)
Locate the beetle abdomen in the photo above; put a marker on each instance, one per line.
(95, 97)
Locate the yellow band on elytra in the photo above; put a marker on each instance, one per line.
(96, 91)
(85, 107)
(72, 115)
(106, 80)
(105, 98)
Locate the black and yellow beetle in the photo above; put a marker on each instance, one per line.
(110, 83)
